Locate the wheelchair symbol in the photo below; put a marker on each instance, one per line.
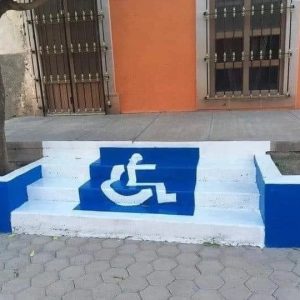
(144, 194)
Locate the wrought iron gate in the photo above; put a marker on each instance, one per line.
(69, 51)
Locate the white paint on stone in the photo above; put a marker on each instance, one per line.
(11, 33)
(226, 208)
(228, 194)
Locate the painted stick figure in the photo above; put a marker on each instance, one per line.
(133, 166)
(144, 194)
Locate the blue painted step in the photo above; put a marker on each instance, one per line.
(184, 157)
(100, 171)
(164, 174)
(92, 198)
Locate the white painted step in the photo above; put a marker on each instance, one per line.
(227, 162)
(223, 226)
(79, 170)
(55, 189)
(227, 195)
(227, 174)
(227, 169)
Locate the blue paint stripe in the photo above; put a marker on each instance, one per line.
(14, 193)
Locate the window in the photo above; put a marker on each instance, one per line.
(247, 53)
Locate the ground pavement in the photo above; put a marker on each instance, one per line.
(189, 126)
(37, 267)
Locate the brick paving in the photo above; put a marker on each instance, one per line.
(37, 267)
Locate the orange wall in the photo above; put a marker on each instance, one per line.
(155, 54)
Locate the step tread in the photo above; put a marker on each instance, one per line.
(229, 162)
(227, 216)
(61, 183)
(69, 159)
(222, 217)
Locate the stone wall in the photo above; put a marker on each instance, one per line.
(15, 60)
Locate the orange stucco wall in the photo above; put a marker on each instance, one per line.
(155, 54)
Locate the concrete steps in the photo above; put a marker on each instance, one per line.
(226, 199)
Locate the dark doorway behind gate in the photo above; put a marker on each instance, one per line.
(67, 34)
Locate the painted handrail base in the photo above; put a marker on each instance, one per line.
(13, 192)
(279, 204)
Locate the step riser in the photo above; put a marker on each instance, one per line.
(218, 200)
(182, 232)
(83, 172)
(86, 154)
(219, 174)
(52, 194)
(246, 176)
(92, 198)
(214, 200)
(103, 173)
(74, 171)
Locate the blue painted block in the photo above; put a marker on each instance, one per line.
(280, 210)
(281, 215)
(157, 172)
(13, 194)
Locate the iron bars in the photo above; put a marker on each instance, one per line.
(248, 48)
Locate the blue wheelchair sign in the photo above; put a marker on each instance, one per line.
(142, 180)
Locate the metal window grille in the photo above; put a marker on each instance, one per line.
(248, 48)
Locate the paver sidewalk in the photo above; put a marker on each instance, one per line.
(36, 267)
(189, 126)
